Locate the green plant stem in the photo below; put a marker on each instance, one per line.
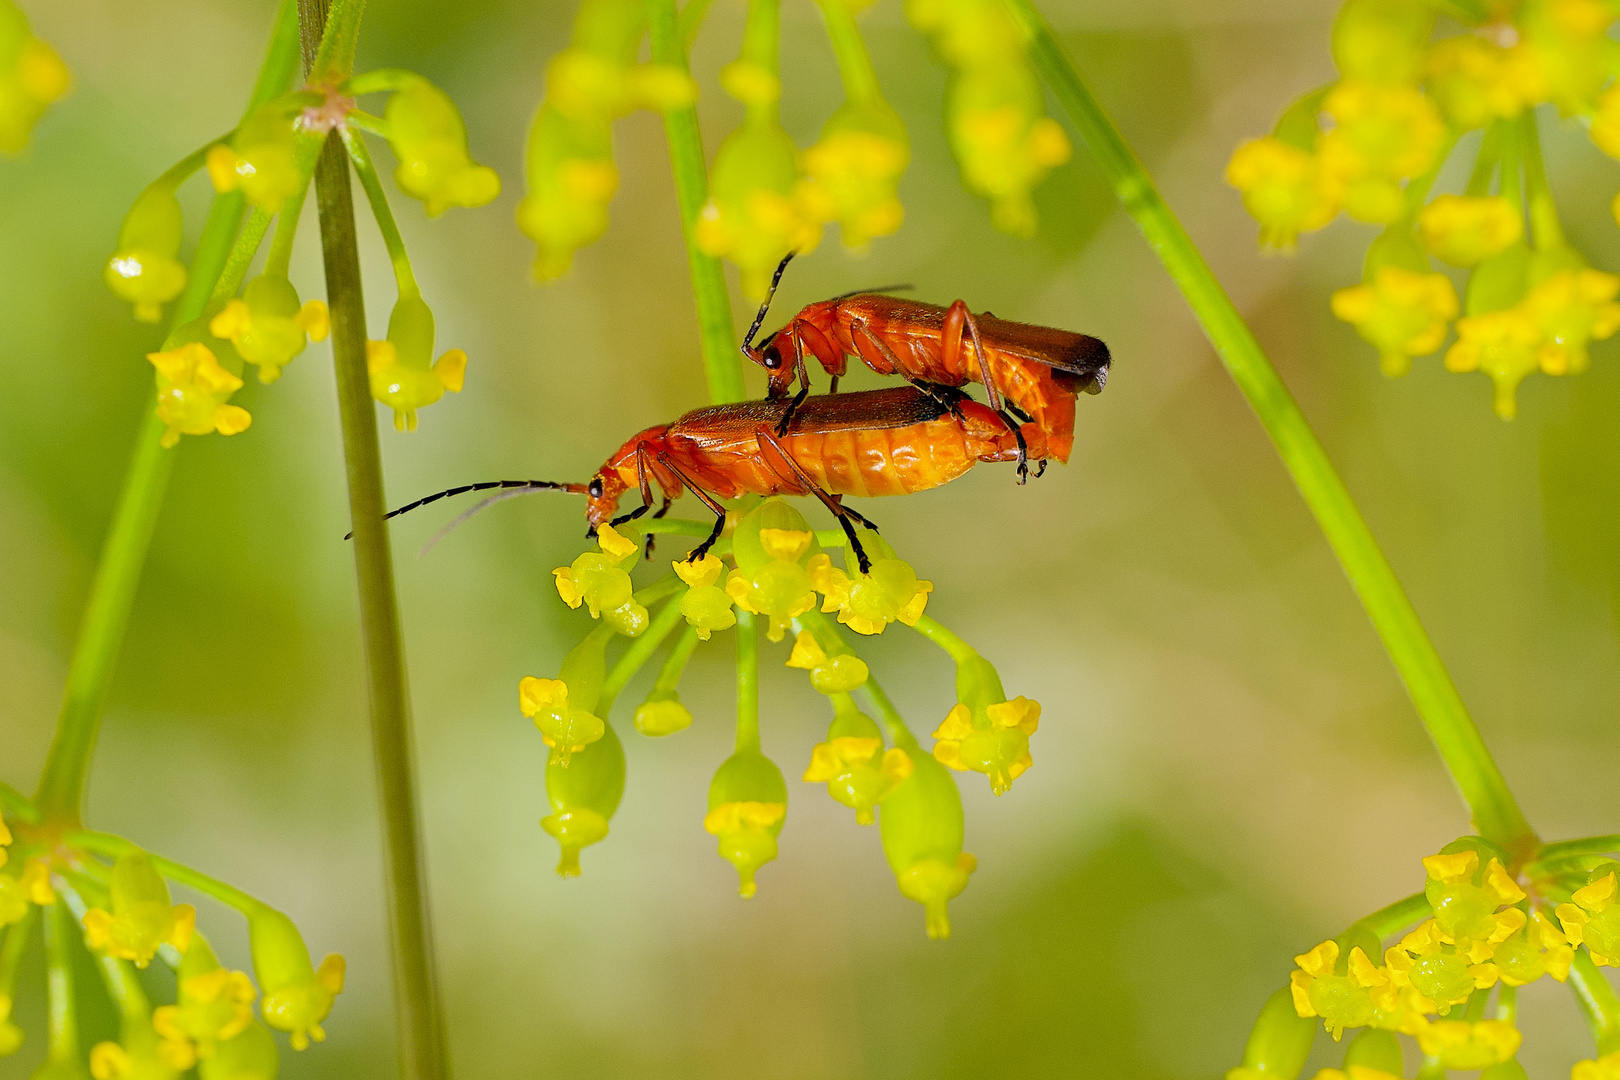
(1598, 1002)
(1402, 913)
(833, 641)
(418, 1012)
(60, 797)
(278, 260)
(124, 987)
(1591, 845)
(720, 359)
(1545, 228)
(62, 1024)
(11, 952)
(957, 649)
(1479, 179)
(1507, 1004)
(668, 585)
(404, 277)
(761, 47)
(382, 81)
(180, 171)
(115, 846)
(16, 805)
(639, 652)
(690, 20)
(747, 683)
(854, 62)
(669, 676)
(1495, 812)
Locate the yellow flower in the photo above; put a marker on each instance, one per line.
(212, 1006)
(142, 918)
(599, 581)
(1606, 1067)
(1572, 308)
(1476, 81)
(1429, 962)
(1502, 344)
(747, 833)
(36, 882)
(572, 179)
(779, 587)
(1000, 749)
(268, 326)
(1460, 1044)
(1341, 999)
(565, 728)
(5, 840)
(867, 603)
(261, 159)
(145, 268)
(753, 216)
(1381, 136)
(1540, 949)
(192, 393)
(852, 173)
(1284, 189)
(705, 606)
(1404, 314)
(835, 674)
(1569, 50)
(1593, 920)
(1349, 1072)
(852, 763)
(428, 136)
(1465, 902)
(406, 388)
(297, 995)
(1464, 230)
(31, 78)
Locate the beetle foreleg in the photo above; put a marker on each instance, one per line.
(831, 502)
(705, 498)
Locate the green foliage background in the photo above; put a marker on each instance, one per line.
(1228, 770)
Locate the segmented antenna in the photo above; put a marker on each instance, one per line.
(770, 293)
(486, 485)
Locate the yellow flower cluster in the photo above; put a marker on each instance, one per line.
(1371, 143)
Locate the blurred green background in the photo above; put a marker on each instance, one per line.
(1227, 771)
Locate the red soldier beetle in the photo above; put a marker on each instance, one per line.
(876, 442)
(1031, 372)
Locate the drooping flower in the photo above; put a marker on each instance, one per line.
(584, 790)
(1464, 230)
(145, 268)
(297, 995)
(868, 602)
(142, 916)
(260, 159)
(564, 708)
(1381, 136)
(32, 76)
(213, 1005)
(852, 172)
(1284, 188)
(428, 137)
(829, 674)
(194, 393)
(747, 805)
(1341, 994)
(984, 731)
(1592, 918)
(598, 579)
(268, 326)
(921, 825)
(773, 546)
(706, 606)
(404, 376)
(1462, 1044)
(853, 764)
(1571, 309)
(1402, 313)
(1502, 344)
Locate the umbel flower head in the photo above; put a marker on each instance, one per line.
(404, 375)
(297, 995)
(32, 76)
(268, 326)
(142, 916)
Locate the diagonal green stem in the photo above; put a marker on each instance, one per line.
(747, 683)
(719, 337)
(1598, 1002)
(1591, 845)
(418, 1011)
(118, 573)
(115, 846)
(63, 1025)
(1495, 812)
(639, 652)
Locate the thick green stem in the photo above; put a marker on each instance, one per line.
(16, 805)
(1597, 1000)
(747, 683)
(1399, 915)
(1591, 845)
(418, 1012)
(1545, 229)
(953, 646)
(639, 652)
(1495, 812)
(720, 358)
(11, 952)
(669, 676)
(1479, 179)
(60, 796)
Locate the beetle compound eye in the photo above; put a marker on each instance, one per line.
(772, 358)
(596, 487)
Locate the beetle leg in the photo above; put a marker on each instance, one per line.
(860, 519)
(706, 499)
(997, 401)
(652, 538)
(644, 479)
(831, 502)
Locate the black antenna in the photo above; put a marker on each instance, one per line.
(879, 289)
(770, 293)
(487, 485)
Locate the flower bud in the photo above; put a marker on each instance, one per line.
(31, 77)
(252, 1055)
(836, 674)
(921, 824)
(706, 606)
(852, 763)
(867, 603)
(260, 159)
(268, 326)
(984, 731)
(193, 389)
(1476, 81)
(1536, 950)
(584, 793)
(747, 805)
(753, 216)
(598, 581)
(1465, 895)
(562, 708)
(428, 136)
(571, 178)
(662, 714)
(1278, 1043)
(1381, 40)
(1572, 308)
(1375, 1049)
(212, 1005)
(853, 171)
(404, 375)
(145, 269)
(142, 916)
(1465, 230)
(297, 996)
(772, 545)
